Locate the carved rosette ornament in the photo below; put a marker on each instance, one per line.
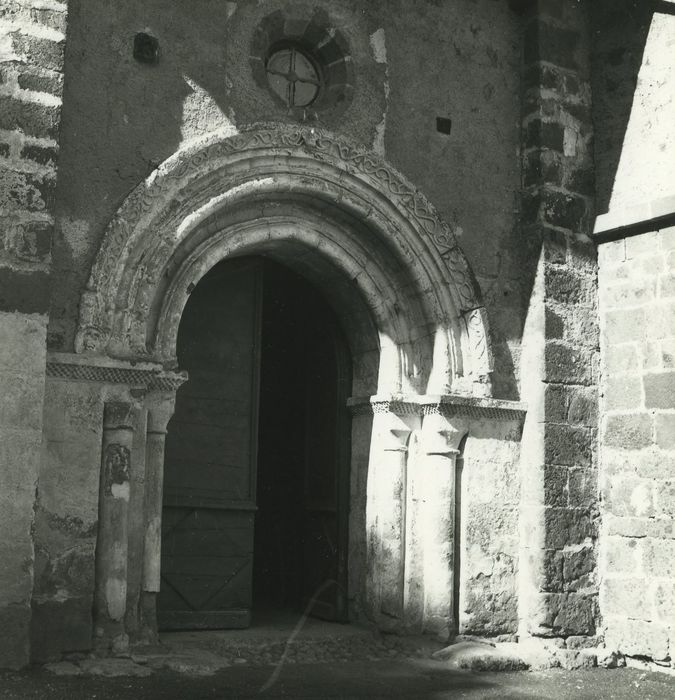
(133, 302)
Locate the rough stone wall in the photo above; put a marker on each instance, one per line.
(558, 595)
(31, 66)
(637, 438)
(488, 530)
(634, 101)
(122, 118)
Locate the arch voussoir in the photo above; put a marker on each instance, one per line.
(351, 204)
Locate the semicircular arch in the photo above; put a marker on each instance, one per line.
(291, 191)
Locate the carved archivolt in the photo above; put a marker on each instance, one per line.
(188, 206)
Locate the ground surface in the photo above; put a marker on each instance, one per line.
(381, 679)
(288, 658)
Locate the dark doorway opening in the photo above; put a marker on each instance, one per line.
(257, 454)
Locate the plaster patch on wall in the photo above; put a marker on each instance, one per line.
(201, 114)
(378, 45)
(120, 490)
(379, 48)
(116, 596)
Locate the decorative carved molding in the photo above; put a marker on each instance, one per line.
(161, 213)
(448, 405)
(106, 371)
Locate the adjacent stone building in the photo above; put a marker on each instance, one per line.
(363, 308)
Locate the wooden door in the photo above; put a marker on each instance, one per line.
(326, 475)
(210, 464)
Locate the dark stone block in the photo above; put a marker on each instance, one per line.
(58, 627)
(565, 210)
(583, 488)
(52, 84)
(45, 155)
(567, 364)
(43, 52)
(555, 246)
(544, 42)
(545, 135)
(554, 323)
(555, 403)
(555, 480)
(567, 526)
(583, 406)
(580, 112)
(28, 292)
(31, 118)
(33, 244)
(564, 284)
(46, 187)
(568, 445)
(568, 571)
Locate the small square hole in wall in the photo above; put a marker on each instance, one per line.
(443, 125)
(146, 48)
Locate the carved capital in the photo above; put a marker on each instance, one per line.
(441, 435)
(119, 415)
(161, 406)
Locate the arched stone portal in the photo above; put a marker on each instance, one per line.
(404, 296)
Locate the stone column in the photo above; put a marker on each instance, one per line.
(160, 409)
(385, 516)
(436, 524)
(112, 546)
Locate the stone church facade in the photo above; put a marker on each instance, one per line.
(361, 308)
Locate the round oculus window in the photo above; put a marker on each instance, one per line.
(293, 76)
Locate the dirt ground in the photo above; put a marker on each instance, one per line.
(423, 679)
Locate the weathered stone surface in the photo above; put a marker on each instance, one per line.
(568, 613)
(665, 431)
(621, 555)
(660, 390)
(477, 656)
(659, 558)
(568, 445)
(625, 597)
(623, 392)
(637, 637)
(630, 432)
(570, 570)
(567, 526)
(568, 364)
(630, 495)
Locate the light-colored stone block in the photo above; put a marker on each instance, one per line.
(620, 555)
(636, 637)
(623, 392)
(659, 558)
(625, 597)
